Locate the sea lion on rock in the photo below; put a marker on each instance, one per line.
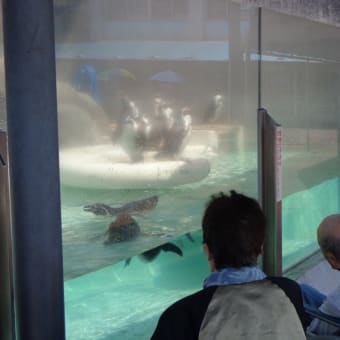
(133, 207)
(177, 134)
(131, 131)
(132, 139)
(214, 110)
(159, 123)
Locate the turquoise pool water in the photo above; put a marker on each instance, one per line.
(120, 302)
(302, 213)
(104, 298)
(107, 299)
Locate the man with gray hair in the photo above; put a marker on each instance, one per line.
(329, 242)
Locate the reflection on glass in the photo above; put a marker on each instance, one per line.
(3, 113)
(300, 89)
(155, 100)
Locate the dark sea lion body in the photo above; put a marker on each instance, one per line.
(133, 207)
(123, 228)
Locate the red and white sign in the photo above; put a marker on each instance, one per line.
(278, 163)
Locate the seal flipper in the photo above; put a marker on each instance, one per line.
(99, 209)
(172, 248)
(140, 206)
(151, 254)
(127, 262)
(134, 207)
(189, 236)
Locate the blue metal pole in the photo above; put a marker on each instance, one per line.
(34, 168)
(7, 329)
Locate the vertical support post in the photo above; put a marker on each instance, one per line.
(34, 168)
(269, 187)
(7, 329)
(259, 62)
(236, 67)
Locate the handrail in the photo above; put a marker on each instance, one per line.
(332, 320)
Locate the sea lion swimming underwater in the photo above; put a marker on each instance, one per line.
(125, 228)
(134, 207)
(151, 254)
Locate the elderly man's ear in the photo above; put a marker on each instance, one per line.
(332, 260)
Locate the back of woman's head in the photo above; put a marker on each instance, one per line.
(234, 229)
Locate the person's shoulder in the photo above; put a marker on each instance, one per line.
(289, 286)
(200, 297)
(293, 291)
(284, 282)
(182, 320)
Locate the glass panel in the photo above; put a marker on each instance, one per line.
(300, 90)
(3, 113)
(157, 111)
